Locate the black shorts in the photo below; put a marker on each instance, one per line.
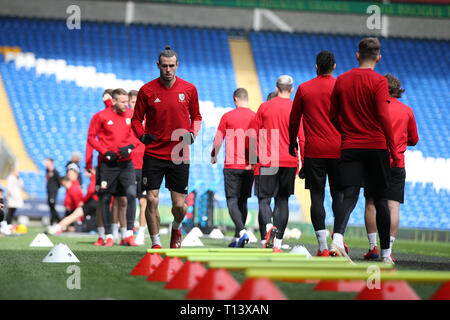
(97, 180)
(276, 181)
(116, 178)
(256, 178)
(90, 207)
(238, 183)
(154, 170)
(396, 190)
(316, 171)
(139, 191)
(368, 168)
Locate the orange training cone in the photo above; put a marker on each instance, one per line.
(147, 265)
(389, 290)
(166, 270)
(259, 289)
(217, 284)
(443, 292)
(341, 286)
(187, 277)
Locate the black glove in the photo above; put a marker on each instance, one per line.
(188, 138)
(125, 151)
(147, 138)
(301, 173)
(292, 148)
(111, 156)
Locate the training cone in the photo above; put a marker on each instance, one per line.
(187, 277)
(443, 292)
(302, 250)
(60, 253)
(217, 284)
(341, 286)
(166, 270)
(389, 290)
(147, 265)
(41, 240)
(216, 234)
(191, 240)
(258, 289)
(196, 232)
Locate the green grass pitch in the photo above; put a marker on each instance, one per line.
(105, 271)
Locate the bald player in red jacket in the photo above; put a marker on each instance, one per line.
(405, 134)
(169, 106)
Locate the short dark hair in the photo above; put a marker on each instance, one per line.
(132, 93)
(167, 53)
(394, 86)
(325, 62)
(369, 49)
(240, 93)
(51, 159)
(271, 95)
(119, 92)
(108, 91)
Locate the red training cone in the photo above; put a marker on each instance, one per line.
(259, 289)
(166, 270)
(341, 286)
(187, 277)
(443, 293)
(217, 284)
(147, 265)
(389, 290)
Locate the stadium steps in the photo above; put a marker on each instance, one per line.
(10, 132)
(245, 71)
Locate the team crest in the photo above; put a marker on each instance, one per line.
(144, 180)
(128, 121)
(181, 96)
(104, 185)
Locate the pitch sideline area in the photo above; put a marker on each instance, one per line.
(104, 272)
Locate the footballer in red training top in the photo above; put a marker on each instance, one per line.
(169, 106)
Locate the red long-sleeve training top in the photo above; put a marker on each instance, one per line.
(168, 113)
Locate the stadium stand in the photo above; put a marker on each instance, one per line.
(55, 84)
(419, 65)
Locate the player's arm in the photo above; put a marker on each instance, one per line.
(335, 109)
(413, 136)
(253, 136)
(138, 118)
(301, 141)
(218, 139)
(194, 113)
(295, 117)
(93, 131)
(195, 118)
(382, 105)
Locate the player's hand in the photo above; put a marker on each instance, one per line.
(147, 138)
(125, 151)
(106, 96)
(213, 160)
(292, 148)
(188, 138)
(111, 156)
(301, 173)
